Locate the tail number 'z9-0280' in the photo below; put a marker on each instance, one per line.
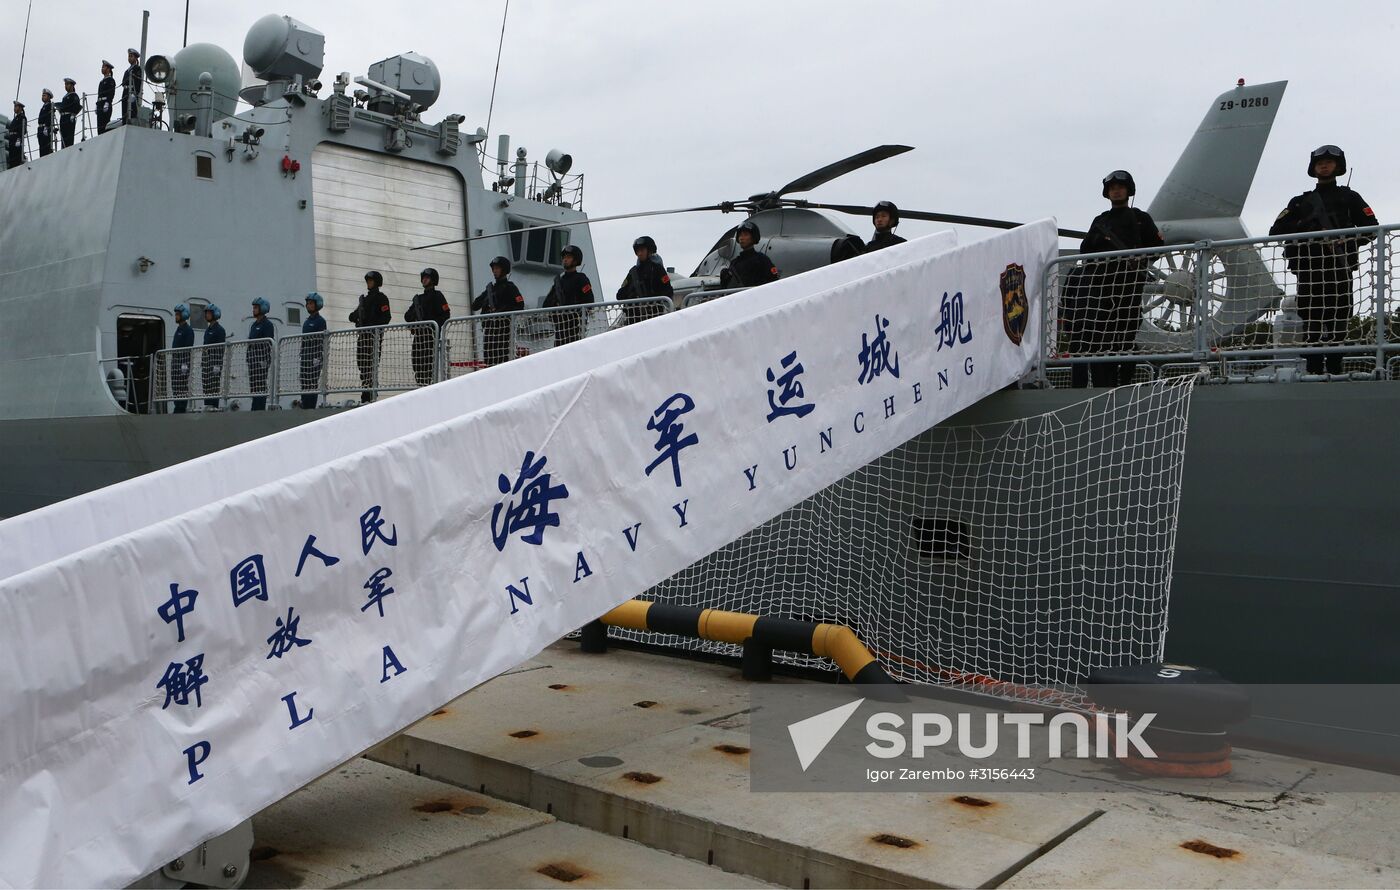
(1251, 102)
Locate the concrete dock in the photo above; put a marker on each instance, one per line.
(631, 769)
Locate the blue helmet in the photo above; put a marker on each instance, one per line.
(182, 309)
(217, 312)
(316, 298)
(263, 304)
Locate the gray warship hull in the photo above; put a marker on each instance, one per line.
(1285, 566)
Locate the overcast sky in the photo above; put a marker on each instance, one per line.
(1016, 110)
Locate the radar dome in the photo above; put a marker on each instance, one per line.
(278, 47)
(194, 60)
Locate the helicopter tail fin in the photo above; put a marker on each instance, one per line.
(1211, 179)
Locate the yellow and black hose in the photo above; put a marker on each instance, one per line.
(834, 641)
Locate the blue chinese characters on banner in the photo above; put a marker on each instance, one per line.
(534, 512)
(789, 394)
(670, 438)
(184, 679)
(876, 355)
(953, 328)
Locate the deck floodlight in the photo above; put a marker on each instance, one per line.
(158, 69)
(558, 162)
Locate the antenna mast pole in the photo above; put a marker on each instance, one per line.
(25, 45)
(185, 41)
(494, 77)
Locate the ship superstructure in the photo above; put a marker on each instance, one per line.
(197, 203)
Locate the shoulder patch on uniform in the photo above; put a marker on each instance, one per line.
(519, 298)
(665, 279)
(588, 288)
(1368, 211)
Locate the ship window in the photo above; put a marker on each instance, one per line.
(535, 245)
(558, 240)
(197, 314)
(542, 246)
(204, 166)
(516, 238)
(293, 315)
(941, 538)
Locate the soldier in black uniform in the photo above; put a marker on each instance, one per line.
(430, 305)
(181, 362)
(106, 95)
(372, 311)
(647, 278)
(500, 296)
(44, 131)
(69, 107)
(571, 288)
(750, 268)
(1324, 267)
(885, 218)
(1103, 314)
(14, 137)
(131, 87)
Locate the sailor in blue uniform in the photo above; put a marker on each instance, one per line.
(69, 107)
(180, 361)
(106, 95)
(212, 368)
(131, 88)
(313, 349)
(260, 354)
(44, 132)
(14, 138)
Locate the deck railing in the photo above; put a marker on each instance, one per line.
(1284, 304)
(480, 341)
(363, 363)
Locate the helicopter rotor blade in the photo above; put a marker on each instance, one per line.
(841, 168)
(576, 222)
(931, 216)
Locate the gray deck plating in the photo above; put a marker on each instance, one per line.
(568, 736)
(368, 825)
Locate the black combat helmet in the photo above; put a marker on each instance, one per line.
(574, 252)
(749, 226)
(375, 277)
(503, 263)
(644, 241)
(888, 207)
(1122, 176)
(431, 273)
(1328, 151)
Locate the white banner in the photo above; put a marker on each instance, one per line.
(162, 684)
